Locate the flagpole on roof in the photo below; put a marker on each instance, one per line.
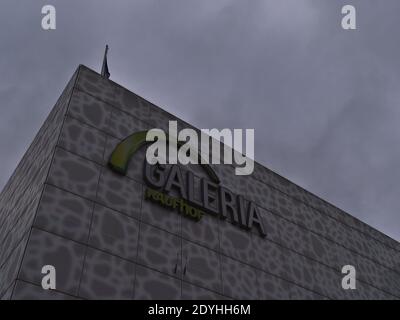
(104, 69)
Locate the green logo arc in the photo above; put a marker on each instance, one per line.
(124, 151)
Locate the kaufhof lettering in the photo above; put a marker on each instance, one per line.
(201, 193)
(173, 203)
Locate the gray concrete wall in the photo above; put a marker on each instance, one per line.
(21, 195)
(106, 241)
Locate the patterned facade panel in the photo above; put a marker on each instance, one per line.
(74, 174)
(236, 242)
(106, 277)
(87, 109)
(161, 217)
(119, 193)
(83, 140)
(64, 213)
(123, 124)
(239, 280)
(204, 232)
(201, 266)
(114, 232)
(160, 250)
(153, 285)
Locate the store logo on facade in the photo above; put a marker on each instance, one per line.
(195, 196)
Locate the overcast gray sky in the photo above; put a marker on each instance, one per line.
(324, 102)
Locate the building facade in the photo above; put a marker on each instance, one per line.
(109, 237)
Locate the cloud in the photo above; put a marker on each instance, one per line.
(323, 101)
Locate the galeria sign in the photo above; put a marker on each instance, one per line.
(195, 196)
(199, 193)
